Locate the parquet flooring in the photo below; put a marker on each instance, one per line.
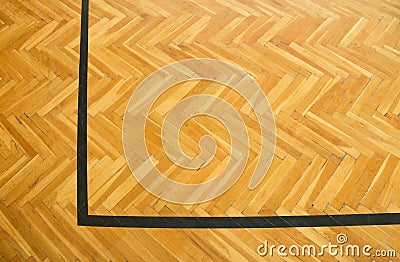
(330, 70)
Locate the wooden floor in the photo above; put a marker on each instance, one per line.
(330, 70)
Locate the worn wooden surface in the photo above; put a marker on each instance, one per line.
(330, 70)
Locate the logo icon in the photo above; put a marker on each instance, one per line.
(341, 238)
(143, 165)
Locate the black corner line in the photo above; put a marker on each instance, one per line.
(84, 219)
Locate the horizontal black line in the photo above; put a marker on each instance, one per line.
(240, 222)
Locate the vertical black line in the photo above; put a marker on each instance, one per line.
(82, 197)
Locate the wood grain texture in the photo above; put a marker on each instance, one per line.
(330, 70)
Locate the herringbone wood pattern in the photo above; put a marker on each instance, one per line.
(330, 70)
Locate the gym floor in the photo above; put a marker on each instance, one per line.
(329, 69)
